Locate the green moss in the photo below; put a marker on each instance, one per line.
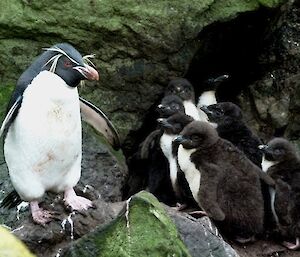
(147, 232)
(136, 42)
(5, 94)
(271, 3)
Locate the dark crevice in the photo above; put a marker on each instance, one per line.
(234, 47)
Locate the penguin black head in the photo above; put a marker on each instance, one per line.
(197, 134)
(175, 123)
(218, 112)
(214, 82)
(170, 105)
(278, 150)
(63, 60)
(182, 88)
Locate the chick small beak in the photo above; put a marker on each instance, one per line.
(178, 139)
(205, 109)
(262, 147)
(221, 78)
(164, 123)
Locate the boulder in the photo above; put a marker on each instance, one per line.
(136, 227)
(271, 102)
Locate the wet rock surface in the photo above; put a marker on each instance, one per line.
(272, 101)
(200, 235)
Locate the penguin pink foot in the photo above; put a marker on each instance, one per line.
(76, 202)
(292, 246)
(198, 213)
(39, 215)
(244, 240)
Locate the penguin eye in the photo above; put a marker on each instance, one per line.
(175, 106)
(277, 152)
(68, 63)
(195, 137)
(218, 112)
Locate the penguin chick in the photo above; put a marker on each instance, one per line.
(230, 126)
(184, 89)
(170, 105)
(42, 129)
(225, 184)
(281, 162)
(208, 96)
(171, 128)
(152, 158)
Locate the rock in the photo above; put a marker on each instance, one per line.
(10, 246)
(102, 168)
(138, 47)
(142, 229)
(271, 103)
(60, 233)
(200, 235)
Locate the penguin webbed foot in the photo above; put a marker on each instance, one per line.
(292, 246)
(244, 240)
(198, 214)
(75, 202)
(41, 216)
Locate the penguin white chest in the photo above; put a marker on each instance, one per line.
(43, 144)
(265, 164)
(192, 174)
(166, 147)
(207, 98)
(191, 110)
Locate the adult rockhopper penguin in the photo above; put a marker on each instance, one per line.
(42, 129)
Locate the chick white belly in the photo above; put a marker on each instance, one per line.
(192, 174)
(43, 146)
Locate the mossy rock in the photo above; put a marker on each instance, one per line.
(10, 246)
(144, 229)
(138, 45)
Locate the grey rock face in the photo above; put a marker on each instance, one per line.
(200, 235)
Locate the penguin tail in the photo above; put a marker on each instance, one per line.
(11, 200)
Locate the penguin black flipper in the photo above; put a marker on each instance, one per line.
(11, 200)
(149, 143)
(11, 114)
(99, 121)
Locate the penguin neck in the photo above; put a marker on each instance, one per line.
(48, 85)
(207, 98)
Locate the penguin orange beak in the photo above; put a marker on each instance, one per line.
(91, 73)
(88, 72)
